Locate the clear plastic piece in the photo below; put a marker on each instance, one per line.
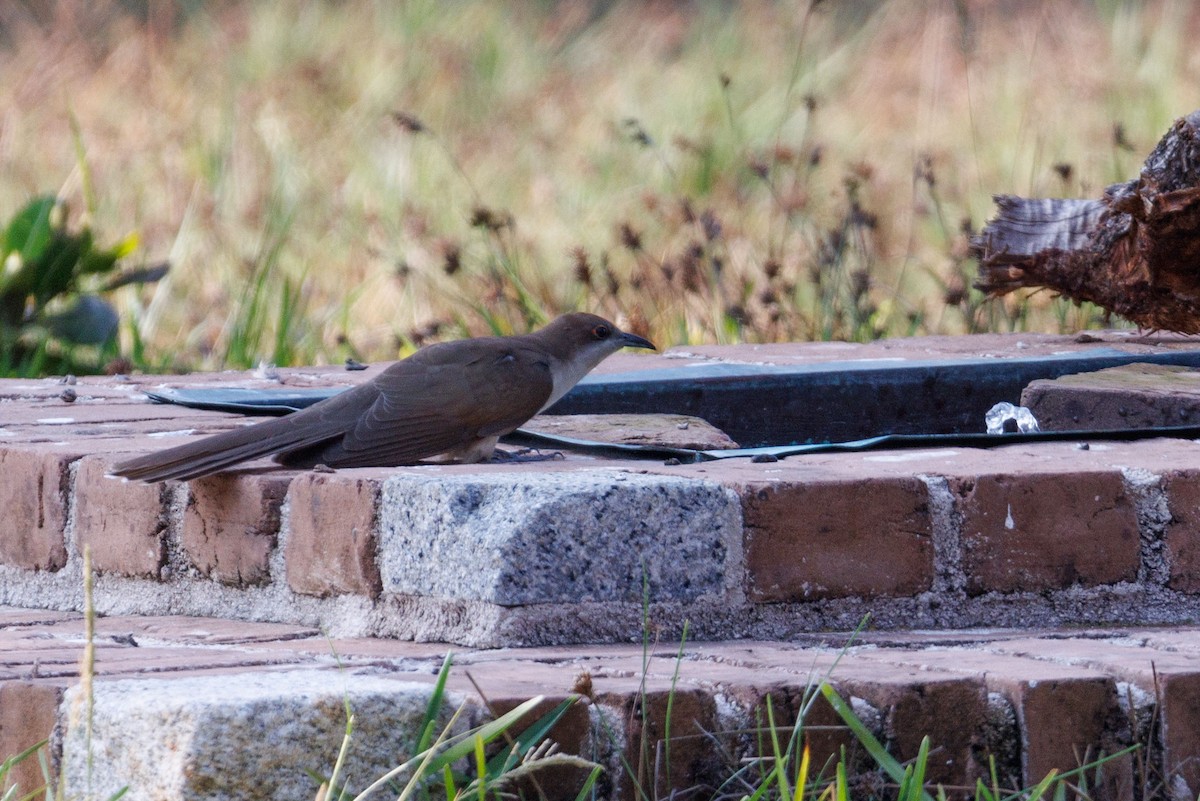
(1005, 418)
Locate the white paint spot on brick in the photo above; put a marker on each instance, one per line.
(912, 456)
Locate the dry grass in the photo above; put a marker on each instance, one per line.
(739, 172)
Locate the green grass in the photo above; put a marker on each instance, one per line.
(712, 172)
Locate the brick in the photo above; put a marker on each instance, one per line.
(1030, 532)
(198, 630)
(1065, 713)
(28, 712)
(123, 522)
(1183, 532)
(33, 495)
(1069, 722)
(950, 711)
(570, 734)
(231, 525)
(808, 541)
(825, 733)
(332, 542)
(1171, 677)
(1180, 727)
(1128, 396)
(689, 759)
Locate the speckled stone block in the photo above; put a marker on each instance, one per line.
(590, 535)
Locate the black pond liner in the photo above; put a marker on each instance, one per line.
(784, 411)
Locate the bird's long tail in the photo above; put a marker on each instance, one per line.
(208, 455)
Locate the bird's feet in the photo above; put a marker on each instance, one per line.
(525, 455)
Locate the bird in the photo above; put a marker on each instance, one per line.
(452, 400)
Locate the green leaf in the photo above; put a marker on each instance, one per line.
(56, 270)
(434, 707)
(29, 231)
(917, 785)
(101, 261)
(868, 740)
(487, 732)
(532, 736)
(585, 791)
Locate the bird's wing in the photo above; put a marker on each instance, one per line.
(303, 429)
(441, 399)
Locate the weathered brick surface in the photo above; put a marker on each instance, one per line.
(950, 711)
(332, 542)
(28, 713)
(570, 734)
(1062, 685)
(34, 485)
(830, 540)
(1172, 677)
(1065, 712)
(825, 733)
(1183, 532)
(1023, 532)
(123, 522)
(672, 756)
(1180, 693)
(1071, 722)
(1129, 396)
(231, 525)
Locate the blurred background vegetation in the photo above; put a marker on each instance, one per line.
(353, 179)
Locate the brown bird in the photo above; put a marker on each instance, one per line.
(453, 399)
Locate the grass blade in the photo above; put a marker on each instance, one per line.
(890, 765)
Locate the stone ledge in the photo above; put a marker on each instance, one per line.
(525, 538)
(1022, 535)
(556, 552)
(181, 704)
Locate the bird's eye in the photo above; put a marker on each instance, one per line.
(601, 332)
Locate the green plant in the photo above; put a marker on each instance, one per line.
(51, 282)
(781, 766)
(457, 763)
(6, 769)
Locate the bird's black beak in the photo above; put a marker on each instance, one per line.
(634, 341)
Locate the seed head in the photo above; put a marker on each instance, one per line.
(408, 122)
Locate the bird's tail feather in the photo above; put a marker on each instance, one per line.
(214, 453)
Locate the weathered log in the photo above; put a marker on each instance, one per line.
(1136, 252)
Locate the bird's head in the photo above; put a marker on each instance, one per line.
(580, 342)
(587, 339)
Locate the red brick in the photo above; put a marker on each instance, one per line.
(1030, 532)
(231, 525)
(833, 540)
(825, 733)
(570, 734)
(1128, 396)
(1180, 727)
(123, 522)
(1065, 712)
(687, 759)
(33, 495)
(28, 712)
(1070, 722)
(950, 711)
(1172, 677)
(1183, 532)
(331, 544)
